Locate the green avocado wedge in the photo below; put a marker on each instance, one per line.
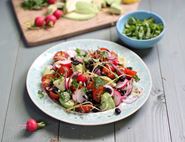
(79, 16)
(107, 102)
(67, 104)
(116, 9)
(86, 7)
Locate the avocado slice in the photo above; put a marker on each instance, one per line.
(86, 7)
(79, 16)
(59, 83)
(67, 104)
(116, 9)
(107, 102)
(48, 70)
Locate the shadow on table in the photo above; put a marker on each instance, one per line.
(143, 53)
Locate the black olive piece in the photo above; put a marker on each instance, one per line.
(95, 110)
(122, 92)
(108, 90)
(130, 68)
(76, 62)
(89, 66)
(72, 59)
(90, 61)
(55, 89)
(51, 83)
(117, 111)
(122, 78)
(86, 97)
(89, 92)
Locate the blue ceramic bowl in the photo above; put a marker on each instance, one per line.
(135, 43)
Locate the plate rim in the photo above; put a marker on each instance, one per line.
(102, 123)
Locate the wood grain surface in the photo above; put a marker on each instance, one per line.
(8, 54)
(172, 61)
(64, 27)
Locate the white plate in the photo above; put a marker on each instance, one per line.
(56, 111)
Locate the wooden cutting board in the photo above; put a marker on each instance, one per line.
(64, 27)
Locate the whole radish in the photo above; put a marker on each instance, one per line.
(32, 125)
(58, 13)
(50, 20)
(39, 21)
(52, 1)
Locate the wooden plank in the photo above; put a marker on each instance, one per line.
(8, 53)
(63, 28)
(150, 123)
(171, 52)
(73, 133)
(21, 107)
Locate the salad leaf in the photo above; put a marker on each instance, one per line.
(107, 102)
(104, 54)
(80, 52)
(75, 83)
(65, 96)
(142, 29)
(41, 94)
(136, 78)
(98, 82)
(34, 4)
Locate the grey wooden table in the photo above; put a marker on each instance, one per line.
(161, 119)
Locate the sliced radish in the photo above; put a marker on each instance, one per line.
(66, 80)
(69, 82)
(117, 98)
(110, 57)
(122, 84)
(119, 72)
(71, 53)
(98, 72)
(78, 96)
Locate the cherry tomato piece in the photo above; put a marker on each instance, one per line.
(130, 72)
(46, 79)
(65, 71)
(61, 55)
(97, 92)
(53, 95)
(85, 108)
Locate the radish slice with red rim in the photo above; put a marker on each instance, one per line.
(78, 96)
(71, 53)
(110, 57)
(117, 98)
(122, 84)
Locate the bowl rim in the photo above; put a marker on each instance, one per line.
(147, 12)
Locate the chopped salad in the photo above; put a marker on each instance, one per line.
(89, 81)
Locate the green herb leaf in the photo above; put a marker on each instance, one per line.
(75, 83)
(136, 78)
(98, 82)
(34, 4)
(142, 29)
(41, 94)
(80, 52)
